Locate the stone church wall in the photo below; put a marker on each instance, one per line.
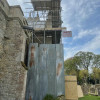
(12, 51)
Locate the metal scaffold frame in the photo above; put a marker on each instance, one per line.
(49, 17)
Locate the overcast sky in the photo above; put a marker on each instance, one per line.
(82, 17)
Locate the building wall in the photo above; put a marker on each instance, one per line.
(12, 51)
(5, 6)
(15, 11)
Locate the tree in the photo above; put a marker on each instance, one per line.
(96, 74)
(83, 74)
(99, 75)
(79, 65)
(96, 68)
(86, 59)
(96, 62)
(72, 66)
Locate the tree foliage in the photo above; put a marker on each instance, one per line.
(72, 65)
(86, 59)
(96, 62)
(96, 74)
(83, 74)
(80, 64)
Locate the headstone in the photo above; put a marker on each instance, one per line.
(98, 91)
(92, 90)
(80, 92)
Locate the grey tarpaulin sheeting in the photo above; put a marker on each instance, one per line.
(46, 71)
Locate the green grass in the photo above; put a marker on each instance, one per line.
(90, 98)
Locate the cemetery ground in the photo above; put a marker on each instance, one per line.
(90, 97)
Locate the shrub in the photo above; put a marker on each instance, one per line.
(50, 97)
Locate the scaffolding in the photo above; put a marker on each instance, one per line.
(45, 57)
(46, 21)
(50, 8)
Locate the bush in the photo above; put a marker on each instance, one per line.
(50, 97)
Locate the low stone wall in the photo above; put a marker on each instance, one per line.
(85, 89)
(91, 89)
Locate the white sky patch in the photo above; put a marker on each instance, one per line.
(70, 52)
(88, 32)
(23, 5)
(66, 42)
(13, 2)
(68, 7)
(76, 11)
(91, 46)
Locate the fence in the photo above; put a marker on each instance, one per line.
(46, 71)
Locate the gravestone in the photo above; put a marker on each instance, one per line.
(98, 91)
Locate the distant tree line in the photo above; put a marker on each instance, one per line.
(86, 66)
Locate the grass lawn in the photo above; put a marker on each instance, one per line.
(90, 98)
